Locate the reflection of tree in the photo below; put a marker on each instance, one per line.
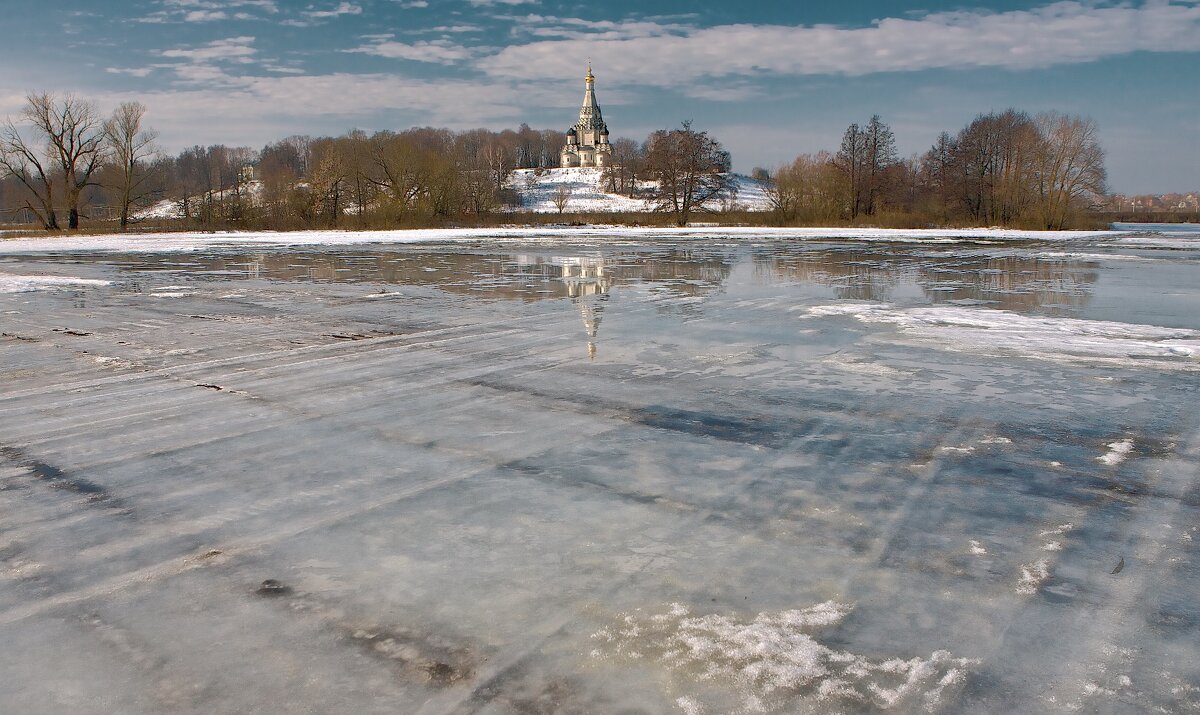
(1014, 283)
(686, 272)
(854, 275)
(530, 276)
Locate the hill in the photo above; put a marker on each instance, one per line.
(537, 190)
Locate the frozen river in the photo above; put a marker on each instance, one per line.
(581, 473)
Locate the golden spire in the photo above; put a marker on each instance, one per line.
(590, 77)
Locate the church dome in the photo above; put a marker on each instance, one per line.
(604, 131)
(571, 132)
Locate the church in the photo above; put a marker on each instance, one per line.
(587, 141)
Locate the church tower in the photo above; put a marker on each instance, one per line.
(587, 142)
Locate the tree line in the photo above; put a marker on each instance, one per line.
(64, 159)
(1003, 169)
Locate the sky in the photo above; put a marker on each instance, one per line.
(770, 80)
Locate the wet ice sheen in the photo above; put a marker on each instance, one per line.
(629, 472)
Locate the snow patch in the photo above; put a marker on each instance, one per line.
(1117, 452)
(1033, 576)
(956, 450)
(773, 660)
(991, 331)
(1058, 530)
(14, 283)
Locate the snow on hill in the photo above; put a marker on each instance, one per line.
(537, 191)
(587, 194)
(173, 208)
(163, 209)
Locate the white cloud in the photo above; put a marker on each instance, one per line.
(413, 4)
(204, 16)
(131, 71)
(267, 5)
(454, 29)
(232, 49)
(488, 3)
(548, 26)
(344, 8)
(433, 51)
(207, 10)
(282, 69)
(1060, 33)
(255, 110)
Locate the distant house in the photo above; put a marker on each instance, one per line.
(587, 141)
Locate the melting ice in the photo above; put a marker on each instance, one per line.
(515, 471)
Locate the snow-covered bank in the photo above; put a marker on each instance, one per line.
(195, 240)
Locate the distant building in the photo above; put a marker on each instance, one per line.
(247, 173)
(587, 141)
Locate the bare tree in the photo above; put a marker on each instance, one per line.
(74, 137)
(807, 190)
(879, 158)
(691, 169)
(620, 175)
(1070, 167)
(24, 164)
(938, 176)
(865, 157)
(562, 197)
(130, 145)
(849, 160)
(328, 179)
(995, 156)
(355, 150)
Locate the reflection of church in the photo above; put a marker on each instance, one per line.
(587, 141)
(585, 282)
(588, 288)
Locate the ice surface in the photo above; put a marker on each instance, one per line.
(997, 331)
(590, 472)
(12, 283)
(199, 241)
(1158, 236)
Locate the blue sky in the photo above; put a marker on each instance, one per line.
(769, 79)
